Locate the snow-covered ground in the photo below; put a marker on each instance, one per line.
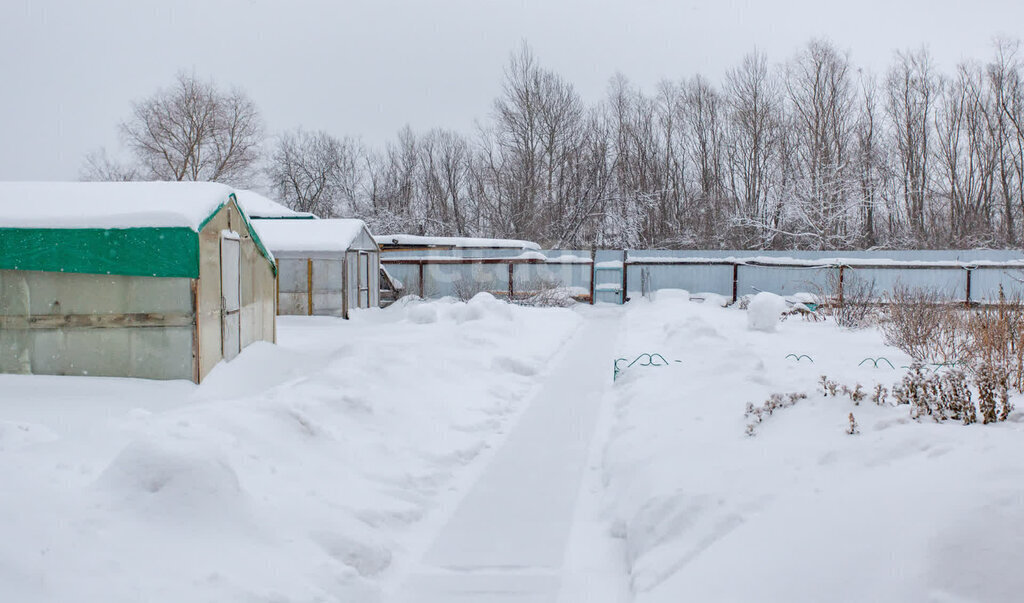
(299, 472)
(444, 451)
(801, 511)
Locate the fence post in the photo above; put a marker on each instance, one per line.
(624, 281)
(511, 287)
(423, 286)
(735, 282)
(593, 269)
(841, 275)
(309, 286)
(968, 301)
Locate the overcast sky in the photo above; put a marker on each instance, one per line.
(70, 69)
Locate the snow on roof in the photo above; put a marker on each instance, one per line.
(308, 235)
(256, 205)
(418, 241)
(109, 204)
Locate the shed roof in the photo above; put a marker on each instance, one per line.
(309, 235)
(109, 205)
(258, 206)
(405, 240)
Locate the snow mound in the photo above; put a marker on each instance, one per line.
(713, 299)
(666, 294)
(173, 479)
(764, 312)
(804, 297)
(422, 314)
(683, 331)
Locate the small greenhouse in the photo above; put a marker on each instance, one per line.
(159, 280)
(325, 267)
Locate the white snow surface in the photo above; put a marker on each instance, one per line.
(298, 472)
(802, 511)
(109, 204)
(468, 242)
(256, 205)
(445, 451)
(308, 235)
(765, 312)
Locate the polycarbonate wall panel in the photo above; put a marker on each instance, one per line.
(292, 276)
(534, 277)
(328, 287)
(352, 278)
(292, 282)
(374, 279)
(147, 352)
(465, 280)
(25, 292)
(407, 274)
(60, 299)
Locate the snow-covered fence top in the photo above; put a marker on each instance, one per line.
(967, 276)
(828, 262)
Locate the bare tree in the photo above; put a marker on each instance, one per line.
(754, 115)
(316, 172)
(822, 99)
(911, 88)
(99, 167)
(194, 131)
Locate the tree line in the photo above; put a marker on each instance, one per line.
(812, 153)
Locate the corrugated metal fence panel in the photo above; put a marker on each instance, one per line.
(695, 278)
(955, 255)
(985, 283)
(950, 283)
(782, 280)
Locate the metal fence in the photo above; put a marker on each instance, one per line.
(616, 275)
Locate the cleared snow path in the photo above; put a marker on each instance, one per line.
(507, 540)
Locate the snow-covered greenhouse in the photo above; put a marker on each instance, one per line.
(325, 267)
(158, 280)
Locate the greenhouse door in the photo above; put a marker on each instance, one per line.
(231, 335)
(364, 279)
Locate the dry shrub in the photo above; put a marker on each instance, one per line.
(546, 293)
(996, 339)
(932, 330)
(949, 395)
(925, 326)
(466, 288)
(757, 414)
(852, 302)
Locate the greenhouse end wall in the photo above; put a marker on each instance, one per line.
(257, 286)
(58, 323)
